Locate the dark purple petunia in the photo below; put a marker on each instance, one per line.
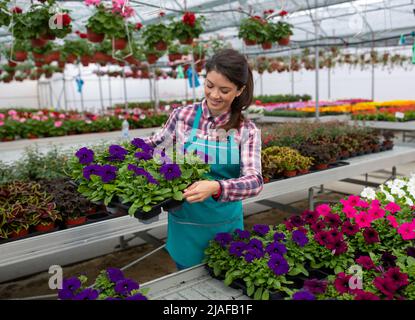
(256, 244)
(108, 173)
(339, 247)
(303, 295)
(278, 236)
(276, 248)
(296, 221)
(410, 251)
(315, 286)
(223, 238)
(278, 264)
(125, 286)
(139, 143)
(300, 238)
(261, 229)
(386, 286)
(253, 253)
(365, 295)
(85, 155)
(243, 234)
(117, 153)
(332, 220)
(335, 234)
(141, 172)
(350, 229)
(388, 260)
(310, 217)
(236, 248)
(137, 296)
(249, 256)
(366, 262)
(170, 171)
(400, 279)
(371, 236)
(143, 156)
(342, 283)
(115, 274)
(323, 238)
(87, 294)
(318, 226)
(64, 294)
(90, 170)
(71, 284)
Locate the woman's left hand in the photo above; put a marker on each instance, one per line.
(201, 190)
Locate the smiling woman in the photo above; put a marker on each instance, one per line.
(215, 204)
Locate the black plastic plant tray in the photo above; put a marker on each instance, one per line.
(167, 205)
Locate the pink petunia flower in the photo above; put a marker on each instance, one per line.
(58, 124)
(12, 112)
(392, 221)
(376, 213)
(349, 211)
(2, 116)
(323, 209)
(92, 2)
(392, 207)
(61, 116)
(363, 220)
(1, 123)
(22, 120)
(407, 231)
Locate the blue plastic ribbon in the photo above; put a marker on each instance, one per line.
(79, 83)
(196, 80)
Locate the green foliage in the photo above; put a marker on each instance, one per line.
(183, 31)
(154, 33)
(253, 28)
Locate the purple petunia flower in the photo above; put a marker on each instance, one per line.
(278, 264)
(400, 279)
(303, 295)
(332, 220)
(276, 248)
(300, 238)
(253, 253)
(139, 143)
(309, 217)
(108, 173)
(170, 171)
(72, 284)
(143, 156)
(223, 238)
(125, 286)
(256, 244)
(278, 236)
(261, 229)
(141, 172)
(87, 294)
(410, 251)
(366, 262)
(90, 170)
(296, 221)
(350, 229)
(117, 153)
(236, 248)
(115, 274)
(315, 286)
(137, 296)
(65, 294)
(85, 155)
(388, 260)
(371, 235)
(243, 234)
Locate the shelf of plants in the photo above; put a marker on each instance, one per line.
(324, 118)
(386, 125)
(62, 246)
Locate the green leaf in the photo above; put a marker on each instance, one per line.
(186, 174)
(228, 280)
(338, 269)
(147, 208)
(178, 196)
(258, 293)
(147, 200)
(109, 187)
(250, 290)
(265, 295)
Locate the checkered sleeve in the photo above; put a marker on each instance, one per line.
(250, 182)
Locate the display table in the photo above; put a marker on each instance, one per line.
(273, 119)
(407, 128)
(27, 256)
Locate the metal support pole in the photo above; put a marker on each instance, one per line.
(156, 94)
(82, 93)
(262, 84)
(65, 98)
(186, 90)
(100, 90)
(109, 91)
(125, 90)
(317, 63)
(193, 79)
(393, 172)
(50, 95)
(38, 93)
(292, 73)
(373, 82)
(311, 199)
(329, 82)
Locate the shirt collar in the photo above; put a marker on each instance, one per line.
(220, 119)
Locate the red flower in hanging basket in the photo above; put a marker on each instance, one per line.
(282, 13)
(189, 18)
(138, 26)
(17, 10)
(65, 18)
(83, 35)
(162, 14)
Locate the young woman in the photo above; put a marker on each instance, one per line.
(215, 205)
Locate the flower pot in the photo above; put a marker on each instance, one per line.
(38, 56)
(48, 36)
(20, 56)
(303, 171)
(289, 173)
(120, 43)
(38, 43)
(322, 166)
(249, 42)
(94, 37)
(151, 58)
(85, 61)
(71, 58)
(75, 221)
(45, 227)
(167, 205)
(266, 45)
(21, 233)
(12, 64)
(186, 41)
(161, 46)
(284, 41)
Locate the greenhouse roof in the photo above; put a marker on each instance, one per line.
(326, 22)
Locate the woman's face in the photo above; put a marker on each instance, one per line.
(219, 92)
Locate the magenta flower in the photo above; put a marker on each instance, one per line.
(315, 286)
(310, 217)
(349, 211)
(400, 279)
(342, 283)
(365, 295)
(386, 286)
(332, 219)
(323, 210)
(371, 236)
(366, 262)
(363, 220)
(392, 207)
(407, 230)
(349, 229)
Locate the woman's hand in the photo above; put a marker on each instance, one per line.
(201, 190)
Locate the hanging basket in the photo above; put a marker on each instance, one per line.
(38, 43)
(249, 42)
(120, 44)
(187, 41)
(161, 46)
(284, 41)
(20, 56)
(266, 45)
(94, 37)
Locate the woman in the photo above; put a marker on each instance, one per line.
(215, 205)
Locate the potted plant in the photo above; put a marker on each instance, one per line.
(157, 36)
(20, 49)
(251, 29)
(188, 28)
(283, 32)
(4, 16)
(73, 49)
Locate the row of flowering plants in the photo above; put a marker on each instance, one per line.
(16, 124)
(373, 236)
(110, 284)
(135, 174)
(392, 114)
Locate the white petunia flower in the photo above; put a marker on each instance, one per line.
(368, 193)
(389, 197)
(409, 201)
(399, 183)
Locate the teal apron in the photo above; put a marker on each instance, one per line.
(191, 227)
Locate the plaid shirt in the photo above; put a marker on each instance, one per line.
(178, 128)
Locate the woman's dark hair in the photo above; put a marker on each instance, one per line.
(234, 66)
